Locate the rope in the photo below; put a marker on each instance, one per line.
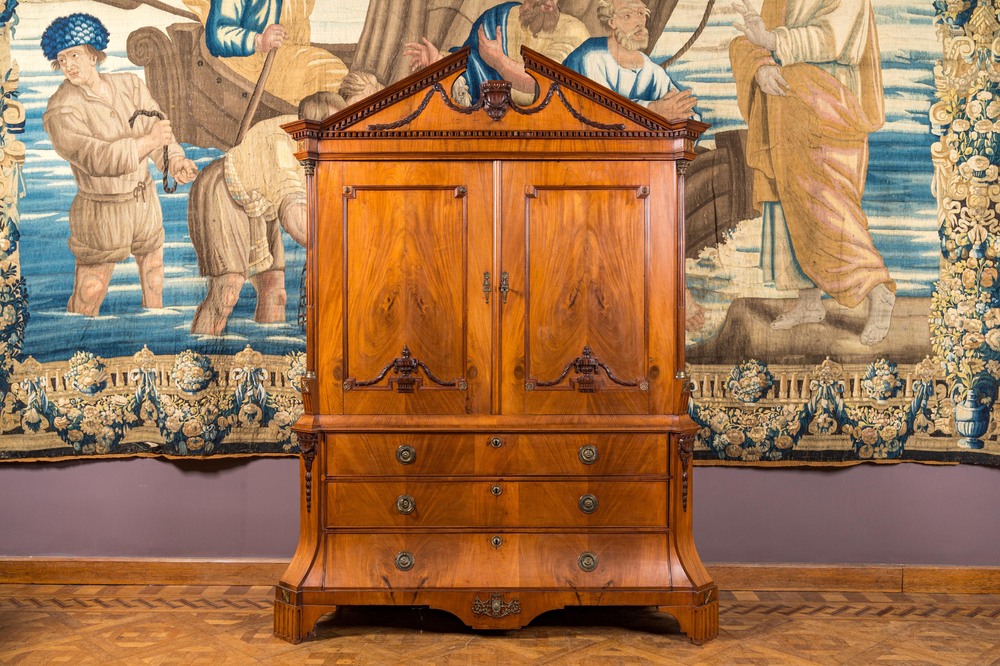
(691, 40)
(169, 189)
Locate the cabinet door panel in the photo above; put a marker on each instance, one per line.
(576, 323)
(416, 334)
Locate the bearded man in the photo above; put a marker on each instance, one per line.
(618, 61)
(495, 45)
(115, 212)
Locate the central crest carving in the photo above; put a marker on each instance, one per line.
(496, 98)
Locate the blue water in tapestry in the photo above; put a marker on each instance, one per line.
(123, 327)
(898, 201)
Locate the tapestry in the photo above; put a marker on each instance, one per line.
(843, 296)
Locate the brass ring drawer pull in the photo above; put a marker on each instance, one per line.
(496, 442)
(588, 503)
(587, 561)
(496, 489)
(406, 455)
(588, 454)
(404, 560)
(406, 505)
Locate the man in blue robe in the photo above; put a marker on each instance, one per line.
(619, 63)
(243, 27)
(247, 32)
(495, 43)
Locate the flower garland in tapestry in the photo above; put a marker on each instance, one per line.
(174, 405)
(13, 291)
(879, 413)
(190, 408)
(965, 306)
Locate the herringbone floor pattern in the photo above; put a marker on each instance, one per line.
(41, 624)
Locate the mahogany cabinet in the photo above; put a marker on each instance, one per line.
(495, 399)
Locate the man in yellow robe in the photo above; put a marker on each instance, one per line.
(809, 84)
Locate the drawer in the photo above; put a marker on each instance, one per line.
(563, 561)
(496, 454)
(496, 503)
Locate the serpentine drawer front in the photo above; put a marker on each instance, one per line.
(612, 561)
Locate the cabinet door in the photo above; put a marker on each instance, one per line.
(415, 239)
(577, 244)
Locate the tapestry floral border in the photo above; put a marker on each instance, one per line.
(192, 405)
(834, 414)
(186, 405)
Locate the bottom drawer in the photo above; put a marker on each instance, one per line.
(496, 560)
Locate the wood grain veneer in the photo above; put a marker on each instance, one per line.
(497, 417)
(494, 452)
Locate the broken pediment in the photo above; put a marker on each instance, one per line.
(430, 104)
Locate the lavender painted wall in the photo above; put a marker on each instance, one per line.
(899, 514)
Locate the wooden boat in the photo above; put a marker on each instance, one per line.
(205, 100)
(717, 192)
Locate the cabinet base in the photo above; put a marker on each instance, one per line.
(297, 611)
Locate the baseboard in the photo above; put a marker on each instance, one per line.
(122, 571)
(728, 576)
(857, 578)
(808, 577)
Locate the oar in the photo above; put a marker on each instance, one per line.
(156, 4)
(258, 92)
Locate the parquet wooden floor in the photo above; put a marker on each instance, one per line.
(42, 624)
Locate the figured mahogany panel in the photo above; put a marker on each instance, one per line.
(496, 502)
(576, 330)
(416, 239)
(496, 453)
(536, 560)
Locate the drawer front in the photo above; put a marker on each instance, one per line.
(498, 503)
(395, 561)
(496, 454)
(400, 454)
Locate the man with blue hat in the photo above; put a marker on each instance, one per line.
(116, 212)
